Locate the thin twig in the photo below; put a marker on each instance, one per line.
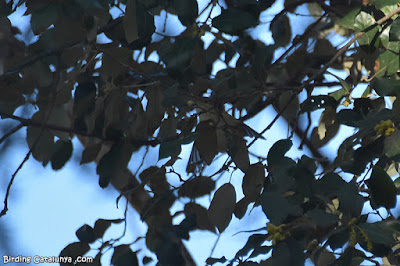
(215, 245)
(5, 209)
(348, 44)
(12, 131)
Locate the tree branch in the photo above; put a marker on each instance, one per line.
(347, 45)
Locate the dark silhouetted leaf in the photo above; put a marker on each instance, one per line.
(322, 218)
(90, 153)
(253, 242)
(349, 118)
(129, 22)
(86, 234)
(173, 148)
(350, 201)
(100, 227)
(117, 158)
(62, 152)
(201, 216)
(288, 252)
(383, 190)
(281, 30)
(197, 187)
(186, 10)
(241, 208)
(74, 250)
(381, 232)
(234, 20)
(316, 102)
(212, 261)
(339, 237)
(206, 142)
(278, 208)
(386, 86)
(40, 142)
(124, 256)
(222, 206)
(278, 151)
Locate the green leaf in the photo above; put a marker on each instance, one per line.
(392, 144)
(178, 55)
(316, 102)
(394, 33)
(387, 43)
(349, 118)
(278, 208)
(383, 191)
(278, 151)
(362, 22)
(187, 11)
(379, 4)
(62, 152)
(339, 237)
(222, 206)
(281, 30)
(322, 218)
(386, 86)
(350, 201)
(388, 64)
(348, 21)
(329, 184)
(289, 252)
(381, 232)
(43, 18)
(86, 234)
(145, 22)
(234, 20)
(130, 22)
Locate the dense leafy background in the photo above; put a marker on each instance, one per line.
(144, 88)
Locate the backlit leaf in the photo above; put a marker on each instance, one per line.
(86, 234)
(129, 22)
(74, 250)
(124, 256)
(253, 181)
(281, 30)
(62, 152)
(234, 20)
(277, 207)
(222, 206)
(383, 190)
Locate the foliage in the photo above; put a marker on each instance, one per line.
(147, 89)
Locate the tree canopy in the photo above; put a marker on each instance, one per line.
(143, 88)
